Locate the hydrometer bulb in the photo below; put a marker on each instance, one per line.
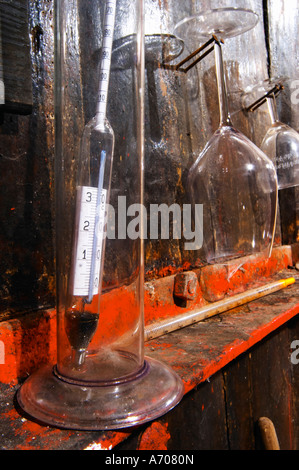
(93, 188)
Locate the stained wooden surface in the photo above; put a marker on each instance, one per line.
(181, 115)
(223, 412)
(236, 368)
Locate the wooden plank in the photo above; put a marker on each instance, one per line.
(27, 172)
(2, 87)
(259, 384)
(16, 56)
(199, 422)
(271, 386)
(237, 380)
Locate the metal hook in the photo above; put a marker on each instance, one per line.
(274, 91)
(178, 67)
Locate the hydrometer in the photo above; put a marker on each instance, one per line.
(93, 187)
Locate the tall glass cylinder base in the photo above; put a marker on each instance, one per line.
(50, 399)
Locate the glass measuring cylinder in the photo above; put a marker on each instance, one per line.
(93, 189)
(102, 378)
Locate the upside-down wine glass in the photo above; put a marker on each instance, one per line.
(281, 142)
(232, 178)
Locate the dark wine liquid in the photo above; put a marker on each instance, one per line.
(80, 328)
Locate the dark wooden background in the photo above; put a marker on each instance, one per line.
(222, 413)
(181, 114)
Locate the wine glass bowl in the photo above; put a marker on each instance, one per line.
(236, 183)
(281, 144)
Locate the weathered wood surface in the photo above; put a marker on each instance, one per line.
(223, 412)
(26, 169)
(236, 368)
(16, 61)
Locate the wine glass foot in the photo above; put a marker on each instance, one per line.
(222, 22)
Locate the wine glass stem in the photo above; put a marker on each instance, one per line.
(222, 94)
(272, 109)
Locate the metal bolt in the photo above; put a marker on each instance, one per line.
(186, 285)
